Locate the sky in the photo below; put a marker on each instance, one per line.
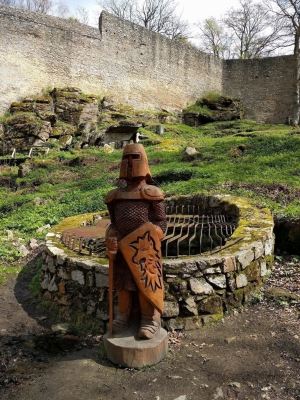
(192, 10)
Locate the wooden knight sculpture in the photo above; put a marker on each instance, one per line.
(137, 227)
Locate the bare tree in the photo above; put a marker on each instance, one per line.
(156, 15)
(52, 7)
(214, 39)
(125, 9)
(255, 33)
(287, 12)
(61, 10)
(40, 6)
(82, 15)
(11, 3)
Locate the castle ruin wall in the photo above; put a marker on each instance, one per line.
(123, 60)
(132, 65)
(265, 85)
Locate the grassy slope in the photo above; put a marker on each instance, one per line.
(244, 158)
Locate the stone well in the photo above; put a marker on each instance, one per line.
(199, 289)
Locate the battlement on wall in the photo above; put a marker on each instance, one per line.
(132, 65)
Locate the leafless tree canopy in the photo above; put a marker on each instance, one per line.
(58, 8)
(249, 31)
(214, 39)
(11, 3)
(255, 33)
(156, 15)
(288, 13)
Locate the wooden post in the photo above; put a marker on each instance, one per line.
(111, 255)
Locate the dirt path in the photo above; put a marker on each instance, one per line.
(251, 355)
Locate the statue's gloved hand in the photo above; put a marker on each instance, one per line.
(111, 244)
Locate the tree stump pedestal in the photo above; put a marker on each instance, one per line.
(127, 350)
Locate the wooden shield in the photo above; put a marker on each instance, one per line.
(142, 252)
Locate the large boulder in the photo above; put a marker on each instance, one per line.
(212, 108)
(73, 107)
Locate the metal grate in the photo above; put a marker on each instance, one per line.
(187, 233)
(87, 240)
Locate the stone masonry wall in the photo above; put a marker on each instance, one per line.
(199, 289)
(265, 85)
(132, 65)
(122, 60)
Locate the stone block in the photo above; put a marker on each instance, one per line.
(210, 305)
(188, 267)
(52, 287)
(228, 264)
(231, 284)
(245, 257)
(62, 273)
(192, 323)
(252, 271)
(171, 309)
(179, 287)
(45, 282)
(87, 264)
(259, 249)
(60, 260)
(51, 266)
(102, 280)
(102, 269)
(190, 305)
(212, 270)
(234, 300)
(269, 245)
(44, 266)
(200, 286)
(211, 262)
(78, 276)
(263, 268)
(170, 278)
(174, 324)
(241, 281)
(202, 264)
(91, 307)
(217, 280)
(208, 319)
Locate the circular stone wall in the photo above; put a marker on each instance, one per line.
(198, 289)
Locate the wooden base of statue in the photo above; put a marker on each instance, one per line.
(127, 350)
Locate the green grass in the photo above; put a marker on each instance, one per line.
(244, 158)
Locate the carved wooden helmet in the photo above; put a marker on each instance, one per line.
(135, 163)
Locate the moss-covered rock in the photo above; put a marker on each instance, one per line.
(252, 271)
(234, 300)
(211, 108)
(278, 294)
(210, 305)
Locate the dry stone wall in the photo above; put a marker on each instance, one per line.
(199, 289)
(131, 64)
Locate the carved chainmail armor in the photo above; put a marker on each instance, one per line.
(127, 216)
